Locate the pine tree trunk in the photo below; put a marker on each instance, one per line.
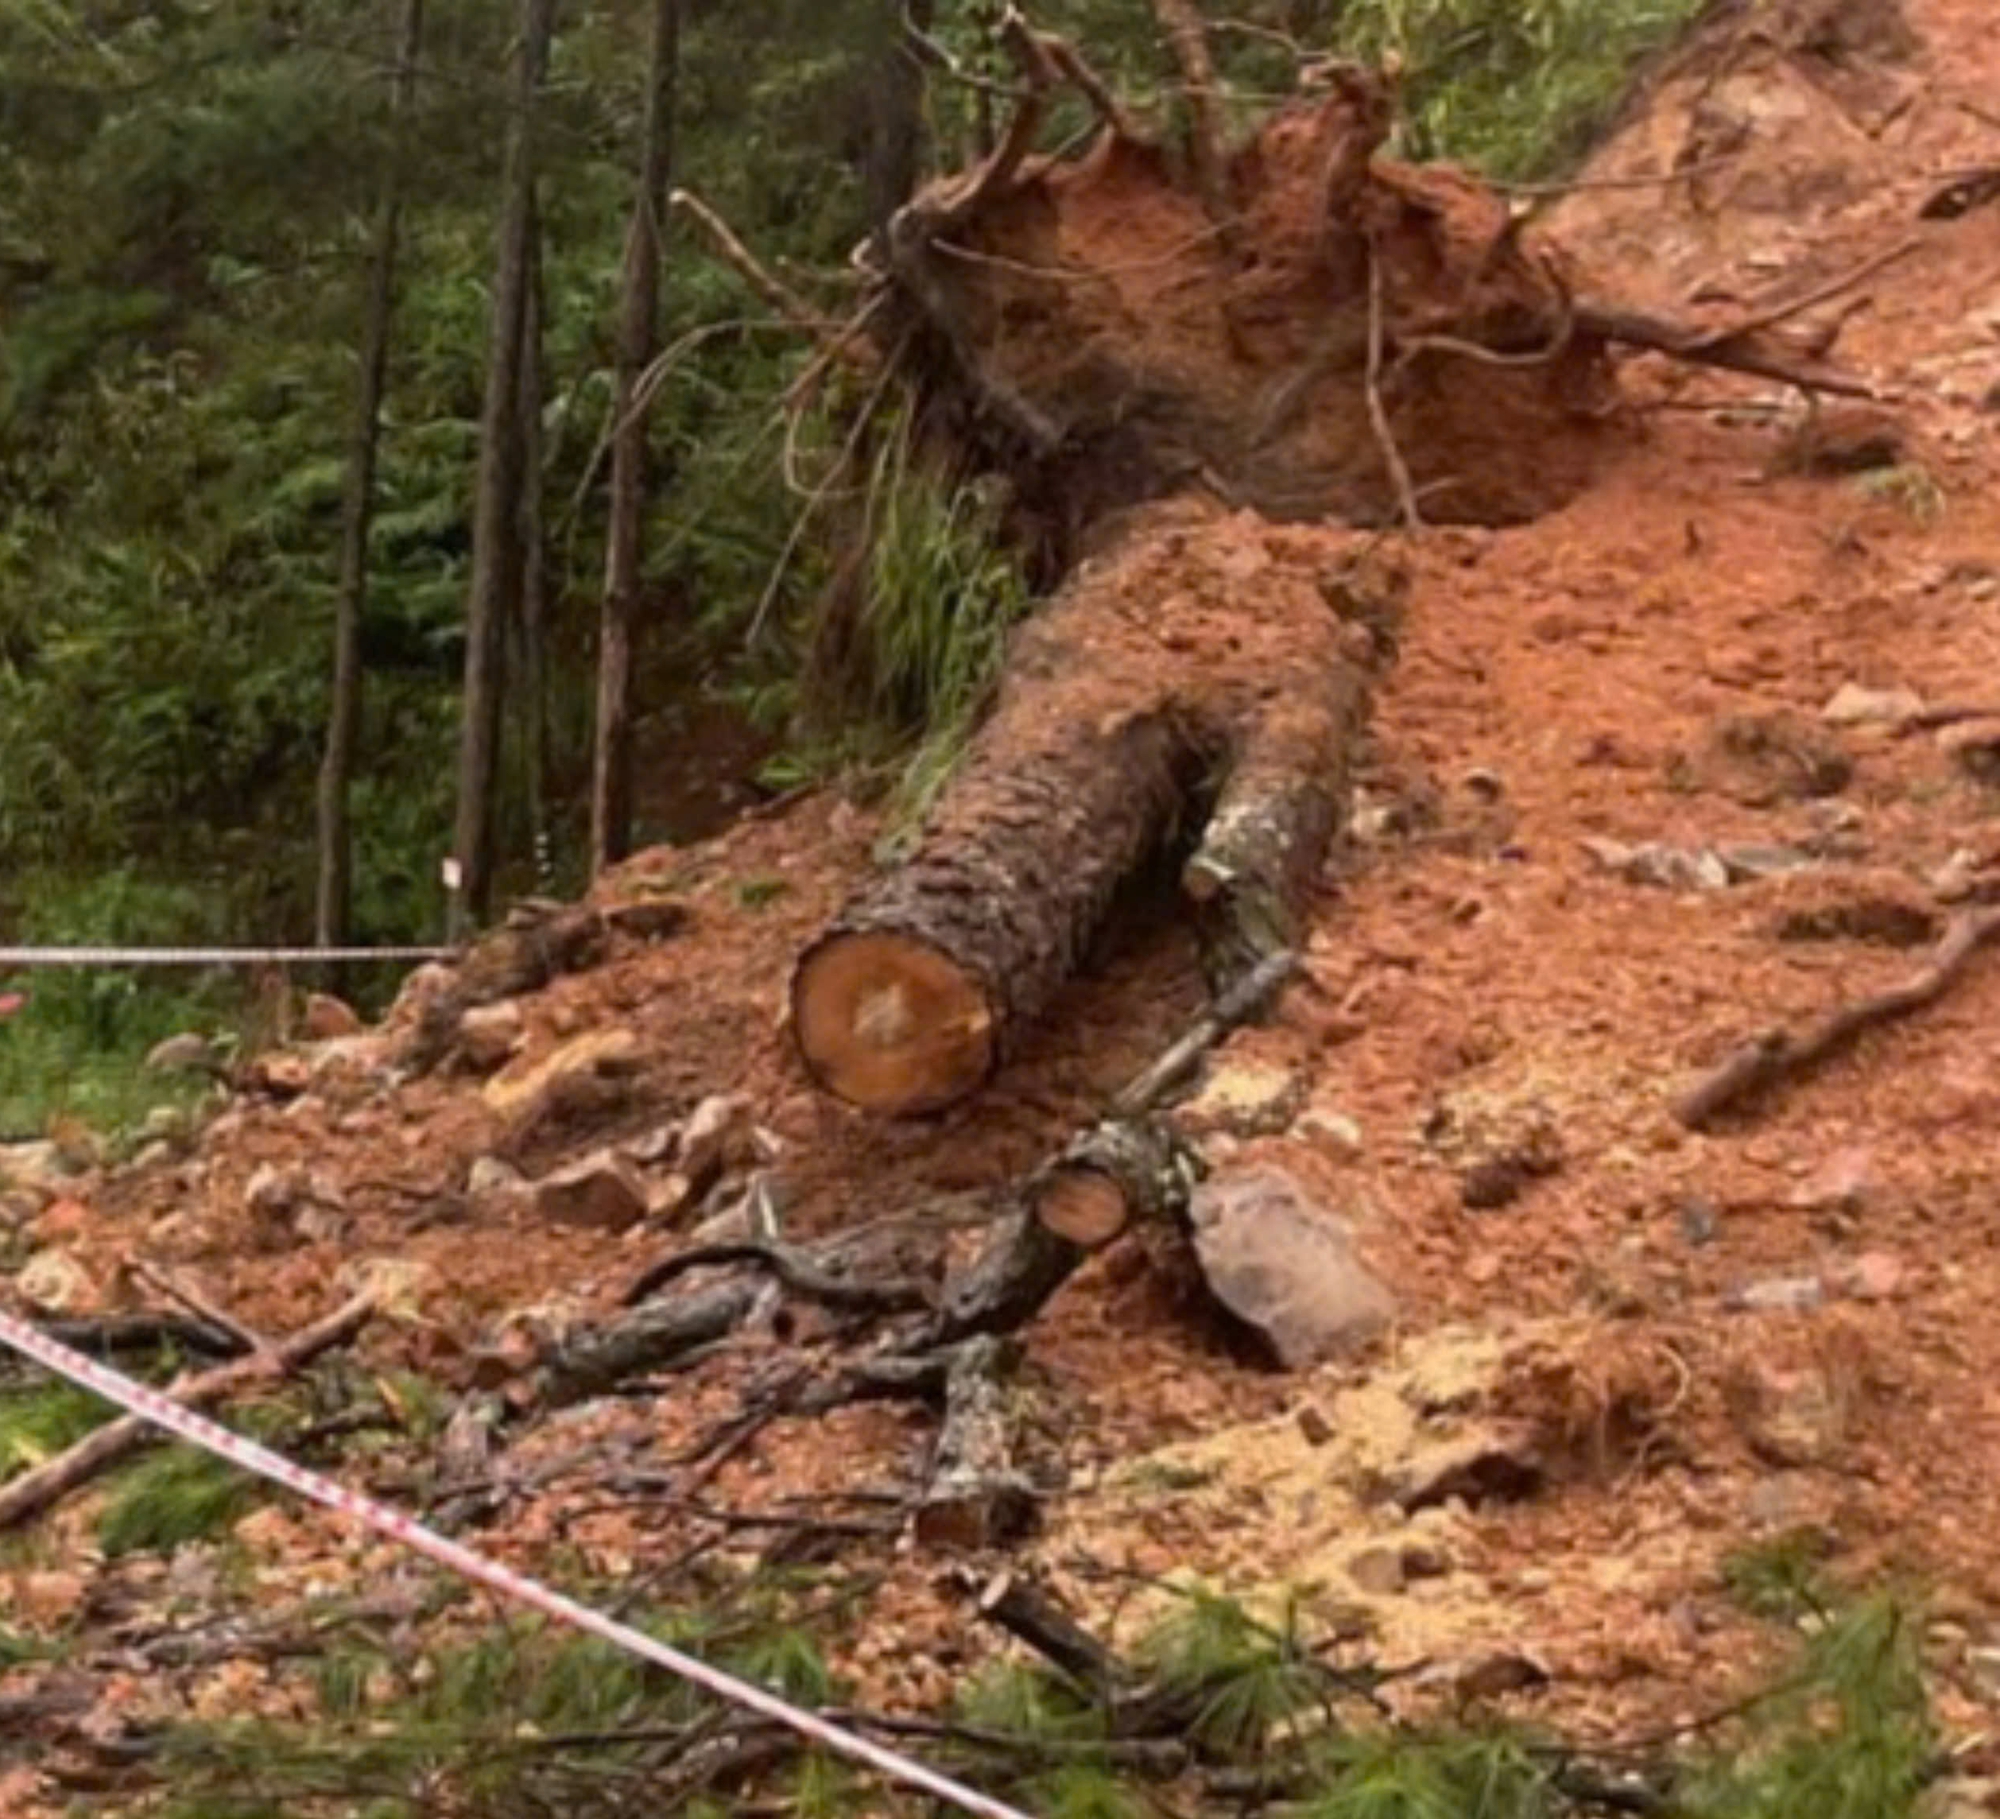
(638, 334)
(493, 597)
(532, 715)
(333, 896)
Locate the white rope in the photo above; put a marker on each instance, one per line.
(198, 1430)
(212, 956)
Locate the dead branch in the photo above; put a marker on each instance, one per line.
(1033, 1617)
(241, 1337)
(1243, 1001)
(798, 1271)
(34, 1491)
(1733, 350)
(1189, 40)
(1778, 1055)
(1070, 62)
(775, 293)
(976, 1497)
(100, 1334)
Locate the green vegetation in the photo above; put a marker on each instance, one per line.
(172, 1497)
(521, 1720)
(183, 269)
(38, 1422)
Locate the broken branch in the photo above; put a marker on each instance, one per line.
(776, 294)
(34, 1491)
(1189, 40)
(1778, 1055)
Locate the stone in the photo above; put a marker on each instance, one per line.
(1491, 1466)
(599, 1059)
(1285, 1265)
(1332, 1132)
(1313, 1424)
(602, 1193)
(489, 1035)
(1377, 1571)
(1840, 1184)
(717, 1136)
(1872, 1276)
(35, 1168)
(1777, 1295)
(1788, 1418)
(54, 1282)
(326, 1018)
(1974, 746)
(495, 1188)
(1853, 705)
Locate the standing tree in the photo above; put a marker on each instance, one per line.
(638, 331)
(493, 598)
(333, 897)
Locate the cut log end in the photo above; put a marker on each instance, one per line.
(1084, 1205)
(889, 1023)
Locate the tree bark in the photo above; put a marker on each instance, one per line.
(494, 593)
(334, 892)
(638, 332)
(896, 116)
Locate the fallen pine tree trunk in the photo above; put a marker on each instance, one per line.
(1204, 649)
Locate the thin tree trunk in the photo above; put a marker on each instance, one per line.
(493, 596)
(533, 603)
(638, 334)
(333, 896)
(896, 120)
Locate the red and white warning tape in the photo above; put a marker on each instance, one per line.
(214, 956)
(198, 1430)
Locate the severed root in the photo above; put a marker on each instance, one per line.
(1182, 23)
(34, 1491)
(1734, 350)
(976, 1498)
(1777, 1055)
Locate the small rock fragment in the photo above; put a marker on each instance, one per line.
(1872, 1276)
(717, 1136)
(1333, 1132)
(1377, 1570)
(1777, 1294)
(602, 1193)
(489, 1035)
(596, 1065)
(1853, 705)
(1490, 1466)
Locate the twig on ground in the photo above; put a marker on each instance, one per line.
(1778, 1055)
